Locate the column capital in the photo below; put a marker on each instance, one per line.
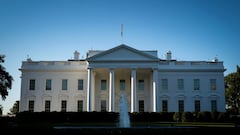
(89, 67)
(111, 68)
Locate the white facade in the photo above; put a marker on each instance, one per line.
(96, 83)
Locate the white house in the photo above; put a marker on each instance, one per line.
(150, 84)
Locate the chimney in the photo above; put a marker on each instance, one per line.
(76, 55)
(169, 55)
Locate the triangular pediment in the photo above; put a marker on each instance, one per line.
(122, 53)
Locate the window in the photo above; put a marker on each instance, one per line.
(196, 83)
(180, 84)
(122, 84)
(214, 105)
(32, 84)
(141, 105)
(80, 105)
(103, 106)
(48, 84)
(103, 84)
(180, 105)
(64, 84)
(140, 84)
(197, 105)
(31, 105)
(164, 105)
(164, 84)
(213, 84)
(80, 84)
(47, 105)
(64, 106)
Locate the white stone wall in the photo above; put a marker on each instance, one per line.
(189, 94)
(39, 95)
(170, 70)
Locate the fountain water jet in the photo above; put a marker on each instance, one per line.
(124, 119)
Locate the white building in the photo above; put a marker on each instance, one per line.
(150, 84)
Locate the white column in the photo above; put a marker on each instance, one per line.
(89, 90)
(111, 91)
(155, 89)
(133, 90)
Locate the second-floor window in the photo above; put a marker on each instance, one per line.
(32, 84)
(140, 84)
(196, 83)
(213, 84)
(48, 84)
(103, 84)
(180, 84)
(64, 84)
(122, 84)
(80, 84)
(164, 84)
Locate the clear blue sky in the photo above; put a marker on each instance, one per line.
(54, 29)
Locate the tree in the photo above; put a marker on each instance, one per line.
(1, 110)
(15, 108)
(232, 91)
(5, 79)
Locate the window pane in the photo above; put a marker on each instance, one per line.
(31, 105)
(122, 84)
(197, 105)
(103, 106)
(48, 84)
(80, 105)
(213, 84)
(80, 84)
(214, 105)
(64, 84)
(164, 105)
(164, 84)
(180, 84)
(32, 84)
(141, 105)
(181, 106)
(140, 84)
(47, 106)
(63, 106)
(196, 84)
(103, 85)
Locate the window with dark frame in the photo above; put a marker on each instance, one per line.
(32, 84)
(80, 84)
(48, 84)
(47, 105)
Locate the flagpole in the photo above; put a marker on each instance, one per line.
(122, 33)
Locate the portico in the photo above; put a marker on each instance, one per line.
(109, 76)
(137, 84)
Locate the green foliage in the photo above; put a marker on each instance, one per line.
(204, 116)
(15, 108)
(6, 79)
(177, 116)
(1, 110)
(232, 91)
(187, 116)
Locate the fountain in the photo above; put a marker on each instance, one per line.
(124, 120)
